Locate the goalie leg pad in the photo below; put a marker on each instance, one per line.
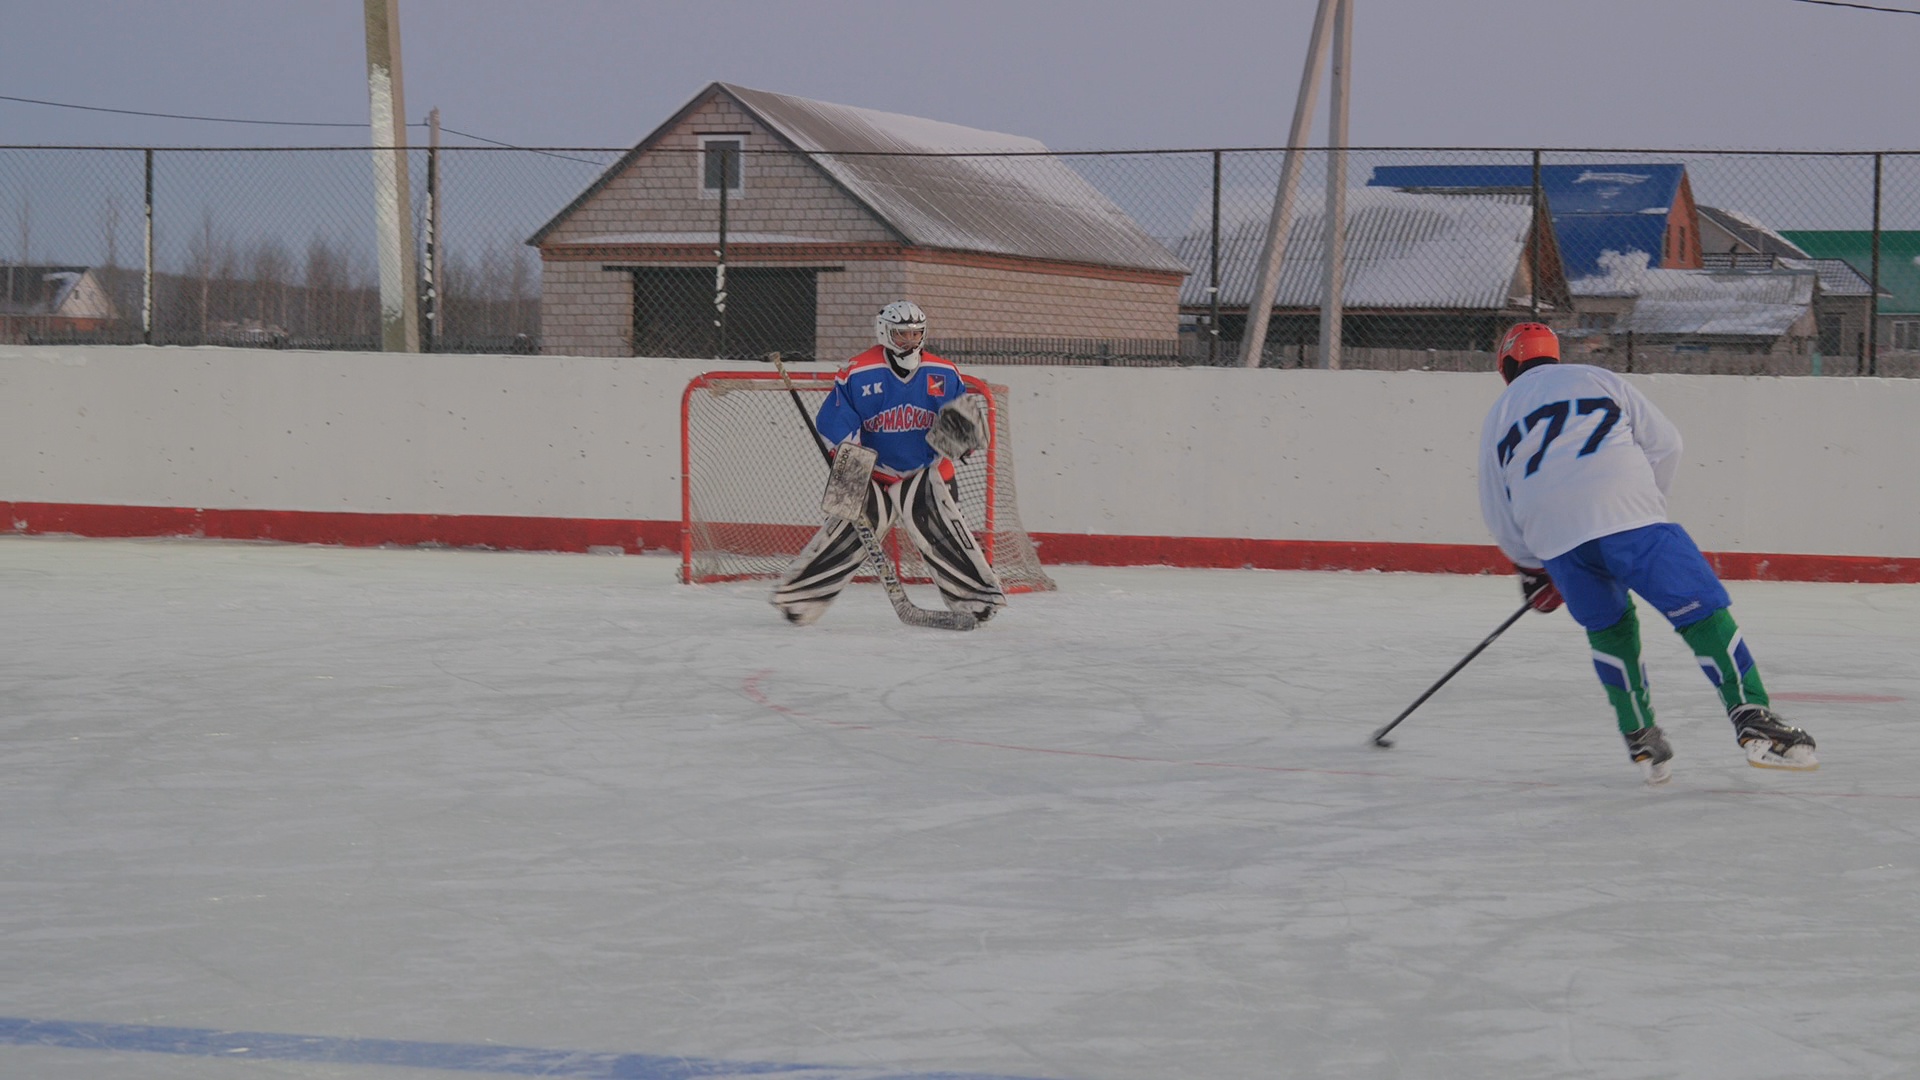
(937, 528)
(822, 569)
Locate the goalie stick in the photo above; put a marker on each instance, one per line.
(910, 613)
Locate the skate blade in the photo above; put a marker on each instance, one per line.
(1657, 774)
(1761, 755)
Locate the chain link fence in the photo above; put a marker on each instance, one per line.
(1714, 262)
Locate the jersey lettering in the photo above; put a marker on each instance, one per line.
(900, 418)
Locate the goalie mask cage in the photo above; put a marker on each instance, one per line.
(750, 483)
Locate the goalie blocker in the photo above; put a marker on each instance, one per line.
(924, 504)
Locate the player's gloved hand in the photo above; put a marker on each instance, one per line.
(1539, 589)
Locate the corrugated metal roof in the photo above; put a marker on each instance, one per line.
(1025, 203)
(1704, 303)
(1596, 208)
(1570, 189)
(1899, 260)
(1445, 252)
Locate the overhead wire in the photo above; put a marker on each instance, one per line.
(1862, 7)
(273, 123)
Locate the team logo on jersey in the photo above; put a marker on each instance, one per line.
(870, 389)
(936, 385)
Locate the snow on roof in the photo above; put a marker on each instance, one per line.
(1751, 232)
(1014, 199)
(1705, 303)
(1595, 208)
(1425, 251)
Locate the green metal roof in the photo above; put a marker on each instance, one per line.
(1899, 261)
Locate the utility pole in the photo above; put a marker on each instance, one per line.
(399, 284)
(1332, 302)
(1260, 305)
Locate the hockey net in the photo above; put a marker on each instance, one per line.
(751, 477)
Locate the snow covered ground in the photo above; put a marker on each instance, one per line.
(276, 811)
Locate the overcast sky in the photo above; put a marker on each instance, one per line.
(1075, 74)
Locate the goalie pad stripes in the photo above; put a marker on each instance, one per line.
(934, 525)
(828, 562)
(960, 569)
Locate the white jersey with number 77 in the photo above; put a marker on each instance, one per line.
(1571, 453)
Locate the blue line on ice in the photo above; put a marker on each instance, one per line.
(457, 1057)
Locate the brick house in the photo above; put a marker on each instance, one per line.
(52, 300)
(830, 212)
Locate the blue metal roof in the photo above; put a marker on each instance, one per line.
(1595, 208)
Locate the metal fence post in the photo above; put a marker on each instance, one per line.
(720, 259)
(1533, 246)
(1873, 305)
(1213, 271)
(146, 273)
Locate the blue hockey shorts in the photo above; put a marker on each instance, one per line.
(1660, 562)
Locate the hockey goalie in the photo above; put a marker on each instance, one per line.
(911, 410)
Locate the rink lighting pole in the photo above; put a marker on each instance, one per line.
(399, 288)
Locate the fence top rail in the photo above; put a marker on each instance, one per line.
(1170, 152)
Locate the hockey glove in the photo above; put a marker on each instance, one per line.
(959, 429)
(1539, 589)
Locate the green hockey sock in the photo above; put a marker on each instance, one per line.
(1616, 658)
(1722, 654)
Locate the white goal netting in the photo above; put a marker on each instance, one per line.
(751, 478)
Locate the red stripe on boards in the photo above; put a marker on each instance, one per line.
(507, 533)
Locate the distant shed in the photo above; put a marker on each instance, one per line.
(1428, 270)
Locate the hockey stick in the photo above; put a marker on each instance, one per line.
(1380, 737)
(910, 613)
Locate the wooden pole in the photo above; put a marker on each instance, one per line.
(1260, 304)
(1331, 305)
(399, 286)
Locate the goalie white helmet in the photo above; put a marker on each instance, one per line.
(901, 328)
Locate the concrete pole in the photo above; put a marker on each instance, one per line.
(1331, 310)
(1260, 305)
(399, 284)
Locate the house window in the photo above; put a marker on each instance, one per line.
(721, 162)
(1906, 334)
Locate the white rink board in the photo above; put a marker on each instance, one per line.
(1812, 466)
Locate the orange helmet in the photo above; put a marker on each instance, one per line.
(1526, 342)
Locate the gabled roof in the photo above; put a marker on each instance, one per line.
(37, 290)
(1756, 236)
(1596, 208)
(1899, 260)
(1707, 303)
(1008, 196)
(1407, 251)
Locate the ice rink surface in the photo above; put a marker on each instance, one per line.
(277, 811)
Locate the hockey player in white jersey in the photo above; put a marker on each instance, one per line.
(1575, 465)
(911, 408)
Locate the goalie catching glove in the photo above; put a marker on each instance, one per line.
(960, 428)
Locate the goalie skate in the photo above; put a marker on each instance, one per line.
(1648, 748)
(1771, 742)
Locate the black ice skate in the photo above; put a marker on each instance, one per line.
(1649, 748)
(1771, 742)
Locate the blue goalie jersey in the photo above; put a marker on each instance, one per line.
(888, 414)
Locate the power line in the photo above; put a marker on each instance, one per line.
(274, 123)
(178, 116)
(1862, 7)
